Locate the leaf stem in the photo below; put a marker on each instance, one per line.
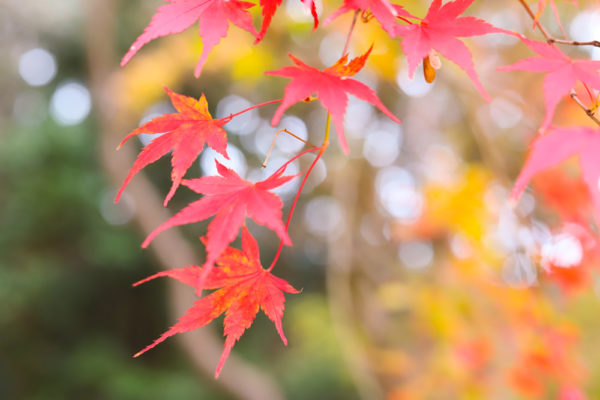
(349, 35)
(587, 89)
(325, 143)
(264, 164)
(405, 20)
(291, 160)
(231, 116)
(321, 151)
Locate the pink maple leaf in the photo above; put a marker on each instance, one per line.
(439, 30)
(562, 73)
(231, 199)
(556, 146)
(332, 85)
(244, 287)
(213, 18)
(383, 11)
(185, 133)
(269, 8)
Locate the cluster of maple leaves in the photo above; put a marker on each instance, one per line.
(242, 285)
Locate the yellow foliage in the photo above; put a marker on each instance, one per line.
(461, 208)
(141, 82)
(251, 64)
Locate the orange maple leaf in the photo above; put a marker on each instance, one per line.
(184, 133)
(244, 287)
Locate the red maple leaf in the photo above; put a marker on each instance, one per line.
(439, 30)
(383, 11)
(213, 18)
(269, 8)
(244, 287)
(556, 146)
(185, 133)
(230, 198)
(332, 86)
(562, 73)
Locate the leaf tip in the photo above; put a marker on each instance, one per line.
(118, 196)
(174, 186)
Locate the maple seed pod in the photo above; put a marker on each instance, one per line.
(431, 63)
(428, 70)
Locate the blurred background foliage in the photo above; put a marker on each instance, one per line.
(419, 282)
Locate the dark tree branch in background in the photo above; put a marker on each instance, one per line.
(340, 263)
(240, 378)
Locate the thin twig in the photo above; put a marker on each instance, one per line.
(551, 39)
(594, 43)
(349, 36)
(590, 113)
(536, 21)
(264, 164)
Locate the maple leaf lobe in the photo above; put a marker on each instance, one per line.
(184, 133)
(213, 17)
(268, 10)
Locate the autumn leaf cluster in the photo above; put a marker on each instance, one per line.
(242, 286)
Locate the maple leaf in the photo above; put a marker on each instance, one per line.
(383, 11)
(185, 133)
(332, 86)
(213, 18)
(230, 198)
(269, 8)
(562, 73)
(439, 31)
(552, 148)
(244, 287)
